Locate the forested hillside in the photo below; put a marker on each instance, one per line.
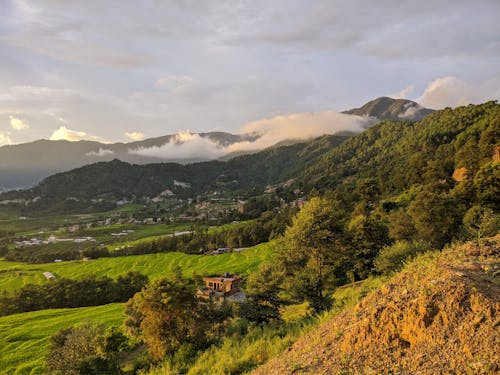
(115, 180)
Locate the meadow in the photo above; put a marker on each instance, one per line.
(24, 338)
(13, 275)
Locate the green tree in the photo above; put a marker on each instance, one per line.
(392, 258)
(166, 315)
(313, 251)
(481, 222)
(262, 291)
(86, 349)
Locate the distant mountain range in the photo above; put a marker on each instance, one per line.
(395, 154)
(24, 165)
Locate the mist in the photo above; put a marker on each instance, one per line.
(270, 131)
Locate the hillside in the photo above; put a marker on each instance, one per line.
(24, 165)
(439, 315)
(399, 154)
(14, 275)
(115, 180)
(385, 108)
(24, 338)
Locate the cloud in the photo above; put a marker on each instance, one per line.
(134, 136)
(445, 92)
(100, 152)
(63, 133)
(403, 94)
(185, 145)
(451, 91)
(5, 139)
(17, 124)
(173, 82)
(411, 111)
(297, 126)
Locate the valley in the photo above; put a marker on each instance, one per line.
(315, 230)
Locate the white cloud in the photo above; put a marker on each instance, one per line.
(100, 152)
(134, 136)
(5, 139)
(17, 123)
(403, 94)
(411, 111)
(63, 133)
(297, 126)
(451, 91)
(185, 145)
(445, 92)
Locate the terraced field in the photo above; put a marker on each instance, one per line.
(14, 275)
(24, 338)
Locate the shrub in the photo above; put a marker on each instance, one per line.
(392, 258)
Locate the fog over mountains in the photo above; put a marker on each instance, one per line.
(24, 165)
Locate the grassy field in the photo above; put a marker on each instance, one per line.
(24, 337)
(14, 275)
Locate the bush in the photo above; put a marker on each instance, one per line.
(392, 258)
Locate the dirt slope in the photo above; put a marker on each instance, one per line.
(438, 316)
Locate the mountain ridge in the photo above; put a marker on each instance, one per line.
(26, 164)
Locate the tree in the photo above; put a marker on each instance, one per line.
(313, 251)
(262, 291)
(391, 258)
(367, 236)
(86, 349)
(481, 222)
(166, 315)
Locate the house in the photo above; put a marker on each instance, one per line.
(49, 275)
(220, 286)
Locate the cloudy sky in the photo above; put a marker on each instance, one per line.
(124, 70)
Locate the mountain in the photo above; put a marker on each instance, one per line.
(392, 156)
(437, 316)
(385, 108)
(26, 164)
(399, 154)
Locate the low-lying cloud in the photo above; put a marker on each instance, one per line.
(185, 145)
(297, 126)
(101, 152)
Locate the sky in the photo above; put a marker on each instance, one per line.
(127, 70)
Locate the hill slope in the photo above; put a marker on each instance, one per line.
(399, 154)
(439, 315)
(25, 164)
(114, 180)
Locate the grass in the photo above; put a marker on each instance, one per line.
(240, 353)
(24, 338)
(13, 275)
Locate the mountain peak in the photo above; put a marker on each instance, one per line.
(385, 108)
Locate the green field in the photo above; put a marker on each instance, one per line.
(24, 337)
(13, 275)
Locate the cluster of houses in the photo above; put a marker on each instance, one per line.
(52, 239)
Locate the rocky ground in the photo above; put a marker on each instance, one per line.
(438, 316)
